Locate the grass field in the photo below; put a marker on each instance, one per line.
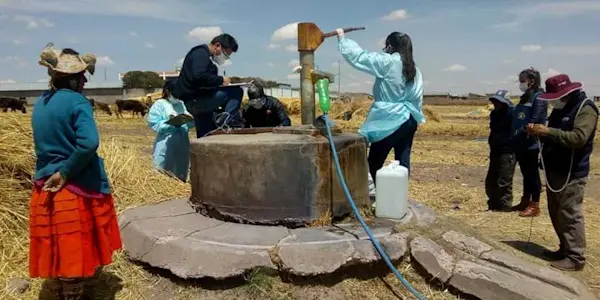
(449, 166)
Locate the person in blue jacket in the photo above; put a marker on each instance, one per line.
(171, 146)
(529, 110)
(398, 91)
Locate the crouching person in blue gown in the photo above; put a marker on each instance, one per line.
(171, 146)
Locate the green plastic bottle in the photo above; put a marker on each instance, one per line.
(323, 92)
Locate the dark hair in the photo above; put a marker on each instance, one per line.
(532, 74)
(226, 41)
(70, 82)
(168, 87)
(400, 43)
(255, 91)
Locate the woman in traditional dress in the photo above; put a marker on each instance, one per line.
(73, 223)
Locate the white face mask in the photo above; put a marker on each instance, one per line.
(220, 59)
(558, 104)
(523, 87)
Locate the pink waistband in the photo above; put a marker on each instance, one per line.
(74, 189)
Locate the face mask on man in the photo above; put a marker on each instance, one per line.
(523, 86)
(558, 104)
(220, 59)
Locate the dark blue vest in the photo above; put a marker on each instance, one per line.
(558, 157)
(523, 112)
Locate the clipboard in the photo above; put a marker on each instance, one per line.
(180, 120)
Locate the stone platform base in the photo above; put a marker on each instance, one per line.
(172, 236)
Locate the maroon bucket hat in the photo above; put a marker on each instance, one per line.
(559, 86)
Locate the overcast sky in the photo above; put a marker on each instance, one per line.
(460, 45)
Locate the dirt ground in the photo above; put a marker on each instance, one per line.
(448, 173)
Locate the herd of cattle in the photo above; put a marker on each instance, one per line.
(135, 106)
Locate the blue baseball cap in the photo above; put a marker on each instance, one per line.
(500, 96)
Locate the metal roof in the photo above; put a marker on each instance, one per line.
(40, 86)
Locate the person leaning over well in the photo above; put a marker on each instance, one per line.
(203, 91)
(398, 91)
(263, 110)
(72, 220)
(568, 144)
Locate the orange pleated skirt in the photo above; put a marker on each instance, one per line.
(71, 235)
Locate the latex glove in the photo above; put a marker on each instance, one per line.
(54, 183)
(340, 33)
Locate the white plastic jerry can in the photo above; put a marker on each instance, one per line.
(391, 192)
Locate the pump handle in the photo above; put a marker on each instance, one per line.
(349, 29)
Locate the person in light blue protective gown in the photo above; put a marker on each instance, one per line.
(398, 91)
(171, 146)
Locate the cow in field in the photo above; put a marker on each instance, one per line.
(134, 106)
(104, 107)
(13, 104)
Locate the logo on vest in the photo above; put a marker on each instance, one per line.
(521, 116)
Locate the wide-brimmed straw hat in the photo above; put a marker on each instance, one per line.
(60, 63)
(559, 86)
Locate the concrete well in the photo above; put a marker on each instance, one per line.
(284, 177)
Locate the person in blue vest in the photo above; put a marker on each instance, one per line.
(398, 91)
(171, 146)
(204, 92)
(499, 179)
(529, 110)
(568, 145)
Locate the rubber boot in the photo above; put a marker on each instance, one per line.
(533, 210)
(523, 205)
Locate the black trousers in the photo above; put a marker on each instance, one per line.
(499, 181)
(401, 141)
(532, 184)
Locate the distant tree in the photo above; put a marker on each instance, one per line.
(142, 80)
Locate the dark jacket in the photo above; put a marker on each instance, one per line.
(198, 77)
(272, 114)
(501, 130)
(530, 110)
(571, 133)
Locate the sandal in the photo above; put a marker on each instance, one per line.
(70, 289)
